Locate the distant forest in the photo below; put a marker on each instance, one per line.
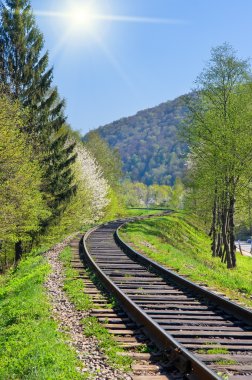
(148, 143)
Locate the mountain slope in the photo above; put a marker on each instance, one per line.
(150, 149)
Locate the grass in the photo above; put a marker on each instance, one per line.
(92, 328)
(226, 362)
(213, 351)
(143, 348)
(31, 347)
(179, 242)
(75, 290)
(73, 286)
(142, 211)
(224, 376)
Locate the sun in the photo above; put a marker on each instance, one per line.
(81, 16)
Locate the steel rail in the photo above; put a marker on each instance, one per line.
(188, 363)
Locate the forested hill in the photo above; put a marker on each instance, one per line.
(148, 143)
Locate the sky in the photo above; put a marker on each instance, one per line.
(113, 58)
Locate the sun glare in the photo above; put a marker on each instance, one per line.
(81, 17)
(88, 21)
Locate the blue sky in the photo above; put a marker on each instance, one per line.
(116, 68)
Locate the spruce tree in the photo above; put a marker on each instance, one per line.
(24, 71)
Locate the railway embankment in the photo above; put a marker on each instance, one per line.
(179, 242)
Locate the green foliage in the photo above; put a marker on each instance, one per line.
(92, 328)
(177, 196)
(115, 207)
(108, 159)
(44, 193)
(75, 288)
(31, 347)
(59, 181)
(140, 195)
(22, 205)
(179, 241)
(110, 164)
(135, 194)
(148, 143)
(219, 132)
(24, 72)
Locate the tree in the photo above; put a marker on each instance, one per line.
(22, 204)
(159, 195)
(108, 159)
(219, 135)
(177, 194)
(23, 69)
(90, 201)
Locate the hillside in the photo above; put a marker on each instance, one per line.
(148, 143)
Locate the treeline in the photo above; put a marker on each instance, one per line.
(219, 134)
(50, 182)
(137, 194)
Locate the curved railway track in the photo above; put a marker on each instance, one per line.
(203, 334)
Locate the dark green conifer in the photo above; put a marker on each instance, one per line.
(24, 70)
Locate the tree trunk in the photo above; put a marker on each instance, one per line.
(232, 247)
(214, 212)
(224, 226)
(219, 251)
(18, 251)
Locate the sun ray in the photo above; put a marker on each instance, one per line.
(116, 18)
(78, 17)
(50, 14)
(134, 19)
(115, 63)
(60, 44)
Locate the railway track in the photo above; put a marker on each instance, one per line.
(201, 333)
(148, 363)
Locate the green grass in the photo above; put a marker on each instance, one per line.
(213, 351)
(224, 376)
(179, 242)
(143, 348)
(226, 362)
(142, 211)
(31, 348)
(74, 287)
(92, 328)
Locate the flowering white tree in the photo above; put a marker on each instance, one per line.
(90, 201)
(92, 183)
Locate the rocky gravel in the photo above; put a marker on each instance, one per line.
(69, 321)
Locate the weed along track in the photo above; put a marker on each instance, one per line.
(203, 335)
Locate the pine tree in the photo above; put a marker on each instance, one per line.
(24, 70)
